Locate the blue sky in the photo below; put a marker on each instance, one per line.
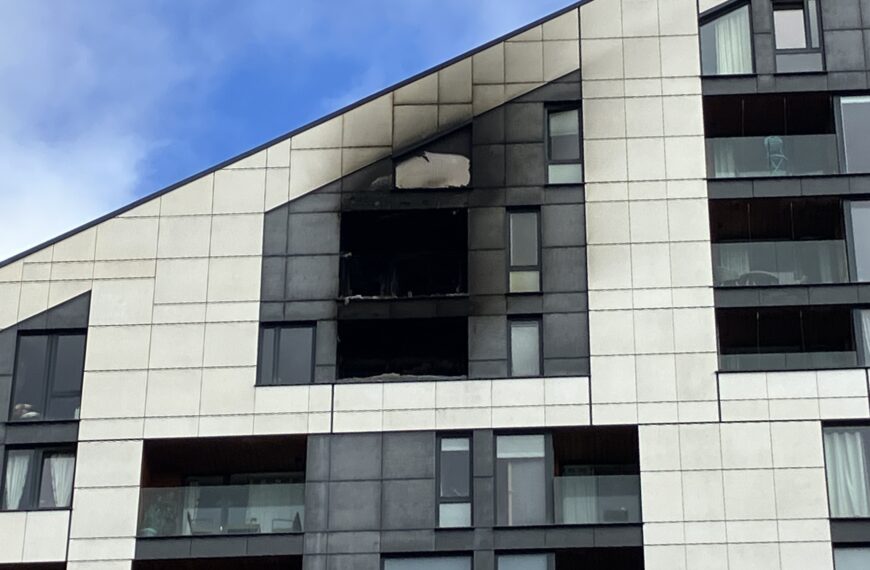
(104, 101)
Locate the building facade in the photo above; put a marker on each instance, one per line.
(591, 296)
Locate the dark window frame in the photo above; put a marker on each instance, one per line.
(49, 379)
(809, 49)
(718, 12)
(469, 499)
(30, 494)
(549, 475)
(539, 320)
(550, 109)
(512, 268)
(278, 326)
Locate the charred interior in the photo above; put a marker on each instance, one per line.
(404, 253)
(403, 347)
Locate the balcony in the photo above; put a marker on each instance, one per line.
(267, 508)
(407, 275)
(811, 262)
(789, 361)
(597, 499)
(788, 155)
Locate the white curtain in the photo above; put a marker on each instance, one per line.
(733, 44)
(847, 474)
(17, 466)
(733, 261)
(579, 499)
(62, 467)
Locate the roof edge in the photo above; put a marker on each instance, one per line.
(292, 133)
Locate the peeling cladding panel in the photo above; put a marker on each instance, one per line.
(444, 163)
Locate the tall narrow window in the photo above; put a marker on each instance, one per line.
(848, 471)
(859, 239)
(726, 44)
(454, 482)
(855, 125)
(525, 255)
(38, 479)
(521, 480)
(48, 376)
(286, 354)
(796, 35)
(525, 347)
(563, 147)
(523, 562)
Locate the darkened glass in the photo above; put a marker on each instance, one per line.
(860, 239)
(772, 155)
(856, 133)
(31, 374)
(525, 347)
(64, 397)
(455, 466)
(266, 365)
(524, 238)
(779, 263)
(295, 354)
(564, 135)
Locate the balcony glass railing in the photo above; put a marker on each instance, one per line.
(222, 509)
(780, 263)
(597, 499)
(788, 361)
(794, 155)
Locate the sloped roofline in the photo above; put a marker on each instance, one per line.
(294, 132)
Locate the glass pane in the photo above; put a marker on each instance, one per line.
(69, 363)
(726, 44)
(55, 489)
(421, 563)
(851, 558)
(525, 348)
(856, 133)
(524, 238)
(267, 355)
(521, 491)
(847, 472)
(861, 239)
(452, 515)
(789, 28)
(295, 351)
(565, 173)
(565, 135)
(525, 281)
(523, 562)
(813, 9)
(17, 473)
(455, 468)
(30, 376)
(520, 446)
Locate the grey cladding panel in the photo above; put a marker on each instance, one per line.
(354, 505)
(409, 455)
(408, 504)
(355, 457)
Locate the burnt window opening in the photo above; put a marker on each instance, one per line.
(786, 338)
(435, 347)
(441, 164)
(404, 253)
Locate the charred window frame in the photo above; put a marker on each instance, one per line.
(47, 381)
(564, 144)
(281, 361)
(797, 36)
(525, 346)
(29, 482)
(741, 49)
(524, 255)
(454, 502)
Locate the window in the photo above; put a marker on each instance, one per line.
(847, 450)
(796, 35)
(855, 125)
(563, 147)
(40, 478)
(523, 562)
(286, 354)
(726, 44)
(521, 480)
(525, 251)
(428, 563)
(525, 347)
(859, 239)
(851, 558)
(454, 487)
(48, 376)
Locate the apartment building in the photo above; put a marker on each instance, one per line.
(594, 295)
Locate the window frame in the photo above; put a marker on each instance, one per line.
(469, 499)
(718, 12)
(537, 319)
(549, 469)
(518, 268)
(278, 326)
(808, 33)
(560, 108)
(48, 379)
(840, 131)
(30, 493)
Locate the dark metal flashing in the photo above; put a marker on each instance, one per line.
(219, 546)
(281, 138)
(850, 531)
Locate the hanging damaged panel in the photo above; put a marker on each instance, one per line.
(442, 164)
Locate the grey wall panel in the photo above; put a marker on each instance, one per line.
(409, 455)
(408, 504)
(354, 505)
(355, 457)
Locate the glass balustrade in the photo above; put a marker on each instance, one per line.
(761, 263)
(597, 499)
(792, 155)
